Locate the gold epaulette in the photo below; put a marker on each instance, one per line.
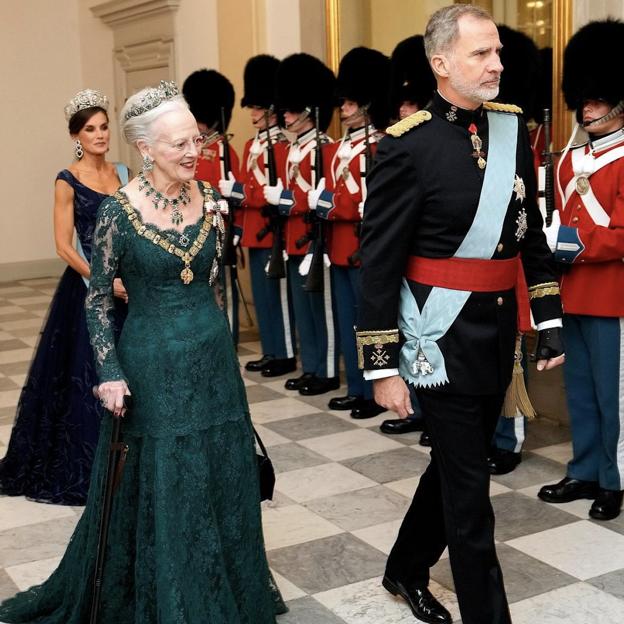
(502, 108)
(401, 127)
(543, 290)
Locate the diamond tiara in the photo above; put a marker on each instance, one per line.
(166, 90)
(85, 99)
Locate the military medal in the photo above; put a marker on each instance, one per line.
(582, 184)
(477, 144)
(187, 275)
(519, 188)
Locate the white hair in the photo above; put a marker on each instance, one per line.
(139, 127)
(442, 28)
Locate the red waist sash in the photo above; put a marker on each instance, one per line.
(474, 275)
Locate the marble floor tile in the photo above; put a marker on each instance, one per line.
(361, 508)
(16, 511)
(288, 590)
(533, 469)
(7, 587)
(578, 508)
(582, 549)
(349, 444)
(11, 290)
(10, 309)
(365, 423)
(611, 583)
(12, 345)
(5, 432)
(327, 563)
(309, 426)
(380, 536)
(320, 481)
(42, 540)
(367, 602)
(517, 514)
(16, 355)
(542, 433)
(249, 382)
(6, 336)
(11, 326)
(308, 611)
(6, 383)
(294, 524)
(575, 604)
(321, 401)
(406, 487)
(561, 453)
(38, 282)
(292, 456)
(277, 386)
(258, 392)
(393, 465)
(18, 380)
(26, 575)
(269, 437)
(279, 409)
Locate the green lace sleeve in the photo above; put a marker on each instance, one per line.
(108, 243)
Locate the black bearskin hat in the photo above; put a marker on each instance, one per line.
(591, 69)
(302, 81)
(412, 79)
(364, 77)
(545, 85)
(259, 79)
(521, 71)
(206, 92)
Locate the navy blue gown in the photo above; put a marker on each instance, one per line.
(57, 423)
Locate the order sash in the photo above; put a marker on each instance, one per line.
(421, 361)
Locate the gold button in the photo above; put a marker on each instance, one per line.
(575, 219)
(578, 207)
(499, 247)
(499, 301)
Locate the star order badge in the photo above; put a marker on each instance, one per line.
(520, 190)
(521, 222)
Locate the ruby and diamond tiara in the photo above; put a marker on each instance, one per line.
(85, 99)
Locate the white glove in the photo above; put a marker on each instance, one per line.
(313, 196)
(272, 194)
(361, 209)
(552, 231)
(226, 186)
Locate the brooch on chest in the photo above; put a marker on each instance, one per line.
(519, 188)
(521, 222)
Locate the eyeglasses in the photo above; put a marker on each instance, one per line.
(185, 145)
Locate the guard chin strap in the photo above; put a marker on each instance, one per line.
(267, 115)
(362, 111)
(618, 109)
(304, 115)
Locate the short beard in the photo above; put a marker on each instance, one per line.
(477, 94)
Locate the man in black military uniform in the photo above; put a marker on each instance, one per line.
(451, 204)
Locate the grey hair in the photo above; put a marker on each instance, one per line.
(442, 28)
(139, 127)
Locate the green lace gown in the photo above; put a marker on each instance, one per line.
(185, 543)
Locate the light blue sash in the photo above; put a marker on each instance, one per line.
(421, 362)
(122, 174)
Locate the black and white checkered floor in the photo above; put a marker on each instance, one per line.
(342, 490)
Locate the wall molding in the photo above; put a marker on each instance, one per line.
(117, 12)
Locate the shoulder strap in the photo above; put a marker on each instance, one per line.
(66, 176)
(122, 173)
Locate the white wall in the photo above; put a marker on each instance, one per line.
(587, 10)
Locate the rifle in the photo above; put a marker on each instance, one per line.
(549, 171)
(229, 252)
(276, 267)
(355, 258)
(315, 278)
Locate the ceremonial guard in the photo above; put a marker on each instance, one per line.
(338, 199)
(412, 85)
(210, 96)
(264, 155)
(521, 60)
(451, 204)
(587, 239)
(305, 94)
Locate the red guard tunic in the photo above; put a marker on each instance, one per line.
(344, 164)
(209, 166)
(254, 177)
(591, 236)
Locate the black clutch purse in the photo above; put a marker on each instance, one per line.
(266, 473)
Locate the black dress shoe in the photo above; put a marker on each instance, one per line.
(422, 603)
(258, 365)
(568, 490)
(344, 403)
(319, 385)
(367, 408)
(401, 425)
(607, 505)
(279, 367)
(425, 439)
(297, 382)
(502, 461)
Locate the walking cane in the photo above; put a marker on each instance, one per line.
(116, 459)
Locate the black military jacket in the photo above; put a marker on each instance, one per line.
(423, 193)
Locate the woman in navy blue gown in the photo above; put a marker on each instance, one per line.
(57, 423)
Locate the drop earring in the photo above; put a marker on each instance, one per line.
(148, 164)
(78, 151)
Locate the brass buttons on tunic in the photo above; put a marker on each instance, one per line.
(499, 301)
(499, 247)
(575, 219)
